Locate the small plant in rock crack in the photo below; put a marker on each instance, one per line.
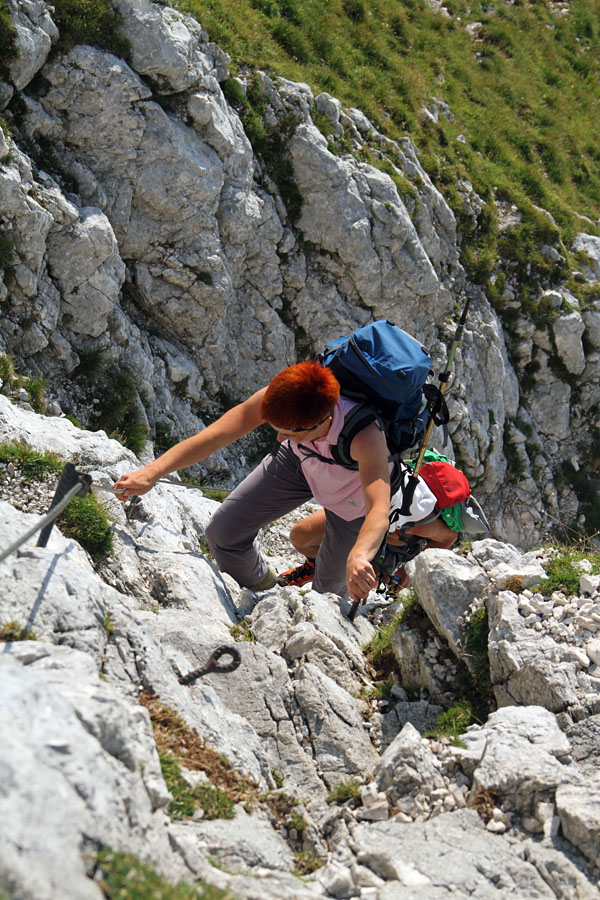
(378, 651)
(515, 584)
(10, 382)
(474, 684)
(186, 799)
(109, 624)
(178, 745)
(306, 863)
(11, 631)
(345, 792)
(242, 632)
(453, 722)
(485, 801)
(381, 690)
(277, 778)
(563, 574)
(7, 252)
(122, 875)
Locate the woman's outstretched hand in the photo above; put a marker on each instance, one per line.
(132, 484)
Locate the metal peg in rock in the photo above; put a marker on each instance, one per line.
(213, 665)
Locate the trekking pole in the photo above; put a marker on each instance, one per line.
(443, 379)
(439, 415)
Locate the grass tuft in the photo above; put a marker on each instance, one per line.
(178, 746)
(93, 22)
(563, 575)
(7, 252)
(123, 876)
(34, 466)
(11, 631)
(378, 650)
(116, 411)
(242, 632)
(453, 722)
(86, 521)
(186, 800)
(346, 791)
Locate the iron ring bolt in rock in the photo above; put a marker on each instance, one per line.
(214, 665)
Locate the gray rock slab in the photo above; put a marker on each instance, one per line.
(526, 667)
(56, 435)
(568, 331)
(72, 763)
(585, 744)
(522, 755)
(578, 807)
(450, 856)
(243, 843)
(561, 868)
(501, 562)
(162, 45)
(262, 693)
(407, 765)
(420, 713)
(414, 669)
(336, 731)
(446, 585)
(54, 592)
(34, 33)
(187, 580)
(589, 244)
(305, 642)
(198, 703)
(263, 884)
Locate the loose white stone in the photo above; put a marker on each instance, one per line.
(593, 650)
(588, 584)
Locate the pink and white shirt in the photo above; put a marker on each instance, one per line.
(334, 487)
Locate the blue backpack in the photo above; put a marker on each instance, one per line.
(385, 370)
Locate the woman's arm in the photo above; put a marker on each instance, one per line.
(239, 420)
(369, 449)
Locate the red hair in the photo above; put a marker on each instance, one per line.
(300, 396)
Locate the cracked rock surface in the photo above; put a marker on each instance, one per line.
(512, 812)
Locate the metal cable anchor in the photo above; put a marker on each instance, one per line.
(213, 665)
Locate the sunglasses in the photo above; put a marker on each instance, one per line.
(303, 428)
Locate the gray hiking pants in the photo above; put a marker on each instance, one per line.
(274, 488)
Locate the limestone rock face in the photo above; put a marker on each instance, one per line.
(161, 240)
(78, 747)
(91, 272)
(165, 46)
(142, 228)
(578, 808)
(84, 767)
(35, 33)
(533, 732)
(446, 585)
(524, 668)
(568, 331)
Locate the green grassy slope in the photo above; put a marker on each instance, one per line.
(523, 87)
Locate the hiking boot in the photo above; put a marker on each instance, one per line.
(266, 583)
(299, 575)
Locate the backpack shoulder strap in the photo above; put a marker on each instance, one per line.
(355, 421)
